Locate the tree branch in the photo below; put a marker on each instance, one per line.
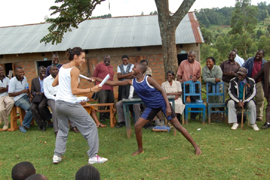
(181, 11)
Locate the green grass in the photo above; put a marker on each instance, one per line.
(226, 154)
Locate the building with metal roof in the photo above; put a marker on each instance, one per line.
(135, 36)
(120, 32)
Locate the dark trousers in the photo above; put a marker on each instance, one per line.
(268, 107)
(192, 99)
(40, 111)
(105, 96)
(123, 92)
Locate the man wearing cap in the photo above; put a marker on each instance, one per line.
(254, 65)
(239, 100)
(265, 74)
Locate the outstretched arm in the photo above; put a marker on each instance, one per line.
(115, 83)
(153, 83)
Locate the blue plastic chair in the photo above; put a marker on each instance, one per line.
(215, 92)
(192, 92)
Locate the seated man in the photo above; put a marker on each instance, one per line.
(19, 91)
(39, 101)
(6, 103)
(242, 98)
(120, 111)
(22, 170)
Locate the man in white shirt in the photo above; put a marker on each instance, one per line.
(19, 91)
(123, 71)
(238, 59)
(50, 93)
(6, 103)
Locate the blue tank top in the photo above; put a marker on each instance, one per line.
(150, 96)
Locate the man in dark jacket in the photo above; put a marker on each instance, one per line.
(254, 65)
(240, 100)
(39, 101)
(264, 73)
(123, 71)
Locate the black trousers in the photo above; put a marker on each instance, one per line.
(123, 92)
(40, 111)
(105, 96)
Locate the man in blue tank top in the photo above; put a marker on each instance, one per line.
(155, 99)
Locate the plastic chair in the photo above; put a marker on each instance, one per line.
(192, 92)
(215, 92)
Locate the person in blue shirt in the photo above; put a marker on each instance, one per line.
(155, 99)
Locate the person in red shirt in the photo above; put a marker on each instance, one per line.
(105, 95)
(254, 65)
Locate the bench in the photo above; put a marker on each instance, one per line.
(16, 114)
(111, 110)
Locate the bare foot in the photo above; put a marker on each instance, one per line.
(101, 125)
(198, 151)
(137, 152)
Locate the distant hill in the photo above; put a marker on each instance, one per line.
(222, 16)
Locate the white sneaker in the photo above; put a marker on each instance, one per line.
(56, 159)
(235, 126)
(97, 159)
(5, 128)
(255, 127)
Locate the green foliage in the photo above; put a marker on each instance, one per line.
(242, 43)
(268, 28)
(70, 14)
(246, 36)
(103, 16)
(259, 34)
(154, 12)
(263, 11)
(207, 35)
(223, 48)
(208, 51)
(214, 16)
(243, 17)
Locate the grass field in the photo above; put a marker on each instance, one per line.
(226, 154)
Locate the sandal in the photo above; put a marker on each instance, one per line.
(101, 125)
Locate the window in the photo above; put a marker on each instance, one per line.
(43, 63)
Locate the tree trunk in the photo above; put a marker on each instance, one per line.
(169, 50)
(168, 25)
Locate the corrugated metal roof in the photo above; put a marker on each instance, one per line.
(120, 32)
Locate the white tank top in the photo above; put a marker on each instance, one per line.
(64, 88)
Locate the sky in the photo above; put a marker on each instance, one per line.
(19, 12)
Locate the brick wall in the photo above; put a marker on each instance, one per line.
(93, 57)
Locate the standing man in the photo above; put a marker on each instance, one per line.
(122, 74)
(6, 103)
(50, 93)
(105, 95)
(254, 65)
(238, 59)
(55, 62)
(265, 74)
(238, 98)
(190, 70)
(229, 69)
(39, 101)
(19, 91)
